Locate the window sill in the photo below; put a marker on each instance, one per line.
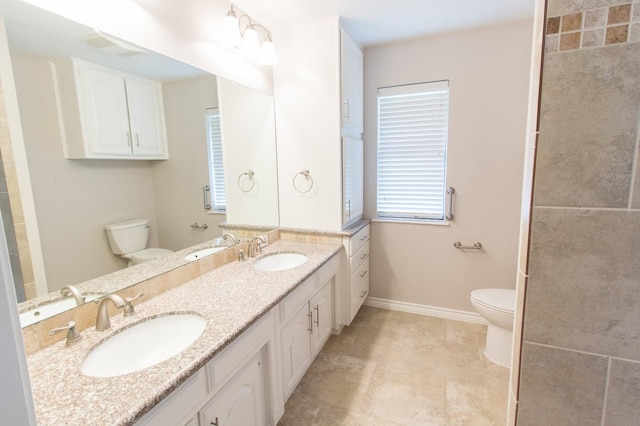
(414, 222)
(217, 212)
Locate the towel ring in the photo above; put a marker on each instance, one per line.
(306, 174)
(249, 175)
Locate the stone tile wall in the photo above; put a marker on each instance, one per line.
(581, 341)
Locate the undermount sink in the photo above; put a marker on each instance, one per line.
(203, 253)
(143, 345)
(279, 261)
(52, 308)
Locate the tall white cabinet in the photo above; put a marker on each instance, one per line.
(318, 87)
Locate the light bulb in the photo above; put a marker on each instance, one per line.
(250, 45)
(268, 53)
(231, 30)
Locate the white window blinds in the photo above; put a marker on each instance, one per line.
(216, 170)
(412, 146)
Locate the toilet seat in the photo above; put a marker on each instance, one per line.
(498, 299)
(148, 254)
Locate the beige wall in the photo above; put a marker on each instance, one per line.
(488, 71)
(178, 182)
(74, 198)
(581, 349)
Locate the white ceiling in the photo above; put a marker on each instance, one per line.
(373, 22)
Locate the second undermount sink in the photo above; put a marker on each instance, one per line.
(203, 253)
(279, 261)
(55, 307)
(143, 345)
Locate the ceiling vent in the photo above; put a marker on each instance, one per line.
(112, 46)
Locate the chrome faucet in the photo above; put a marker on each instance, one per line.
(102, 320)
(230, 235)
(69, 290)
(255, 245)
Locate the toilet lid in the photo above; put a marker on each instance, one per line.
(496, 298)
(150, 253)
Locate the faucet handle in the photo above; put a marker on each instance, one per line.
(73, 335)
(128, 307)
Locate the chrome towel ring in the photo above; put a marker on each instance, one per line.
(305, 174)
(249, 174)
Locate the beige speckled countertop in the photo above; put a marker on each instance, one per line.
(230, 298)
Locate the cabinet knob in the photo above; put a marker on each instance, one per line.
(363, 274)
(363, 256)
(364, 237)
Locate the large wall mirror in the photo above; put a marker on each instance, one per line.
(75, 198)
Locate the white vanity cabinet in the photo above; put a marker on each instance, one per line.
(307, 318)
(108, 114)
(357, 247)
(233, 387)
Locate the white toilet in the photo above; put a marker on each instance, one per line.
(497, 306)
(129, 240)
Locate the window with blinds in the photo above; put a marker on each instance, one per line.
(216, 169)
(412, 148)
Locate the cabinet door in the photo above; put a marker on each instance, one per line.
(296, 349)
(105, 119)
(147, 118)
(321, 311)
(241, 402)
(352, 176)
(352, 84)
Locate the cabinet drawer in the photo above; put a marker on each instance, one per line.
(359, 298)
(297, 298)
(358, 240)
(223, 366)
(179, 403)
(358, 276)
(327, 271)
(356, 260)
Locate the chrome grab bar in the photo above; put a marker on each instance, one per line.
(206, 190)
(476, 246)
(449, 214)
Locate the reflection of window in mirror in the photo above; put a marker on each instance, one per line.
(216, 170)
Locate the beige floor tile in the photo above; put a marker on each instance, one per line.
(338, 380)
(406, 398)
(301, 409)
(474, 405)
(394, 368)
(464, 332)
(331, 416)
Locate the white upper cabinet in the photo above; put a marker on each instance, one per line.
(351, 67)
(108, 114)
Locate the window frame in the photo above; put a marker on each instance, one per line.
(421, 215)
(216, 166)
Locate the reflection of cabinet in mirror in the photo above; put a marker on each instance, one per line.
(108, 113)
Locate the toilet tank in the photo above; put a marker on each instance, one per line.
(128, 237)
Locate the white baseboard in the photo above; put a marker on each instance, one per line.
(433, 311)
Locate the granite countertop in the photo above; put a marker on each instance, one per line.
(231, 298)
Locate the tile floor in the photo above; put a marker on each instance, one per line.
(395, 368)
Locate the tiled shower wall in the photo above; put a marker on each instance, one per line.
(581, 343)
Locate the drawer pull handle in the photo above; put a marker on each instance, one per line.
(363, 273)
(364, 293)
(363, 256)
(364, 238)
(310, 322)
(215, 422)
(317, 308)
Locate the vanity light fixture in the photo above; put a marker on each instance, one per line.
(245, 39)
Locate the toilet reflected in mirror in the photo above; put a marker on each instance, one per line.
(129, 240)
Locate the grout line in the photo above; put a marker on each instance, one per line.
(612, 209)
(634, 361)
(606, 392)
(634, 163)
